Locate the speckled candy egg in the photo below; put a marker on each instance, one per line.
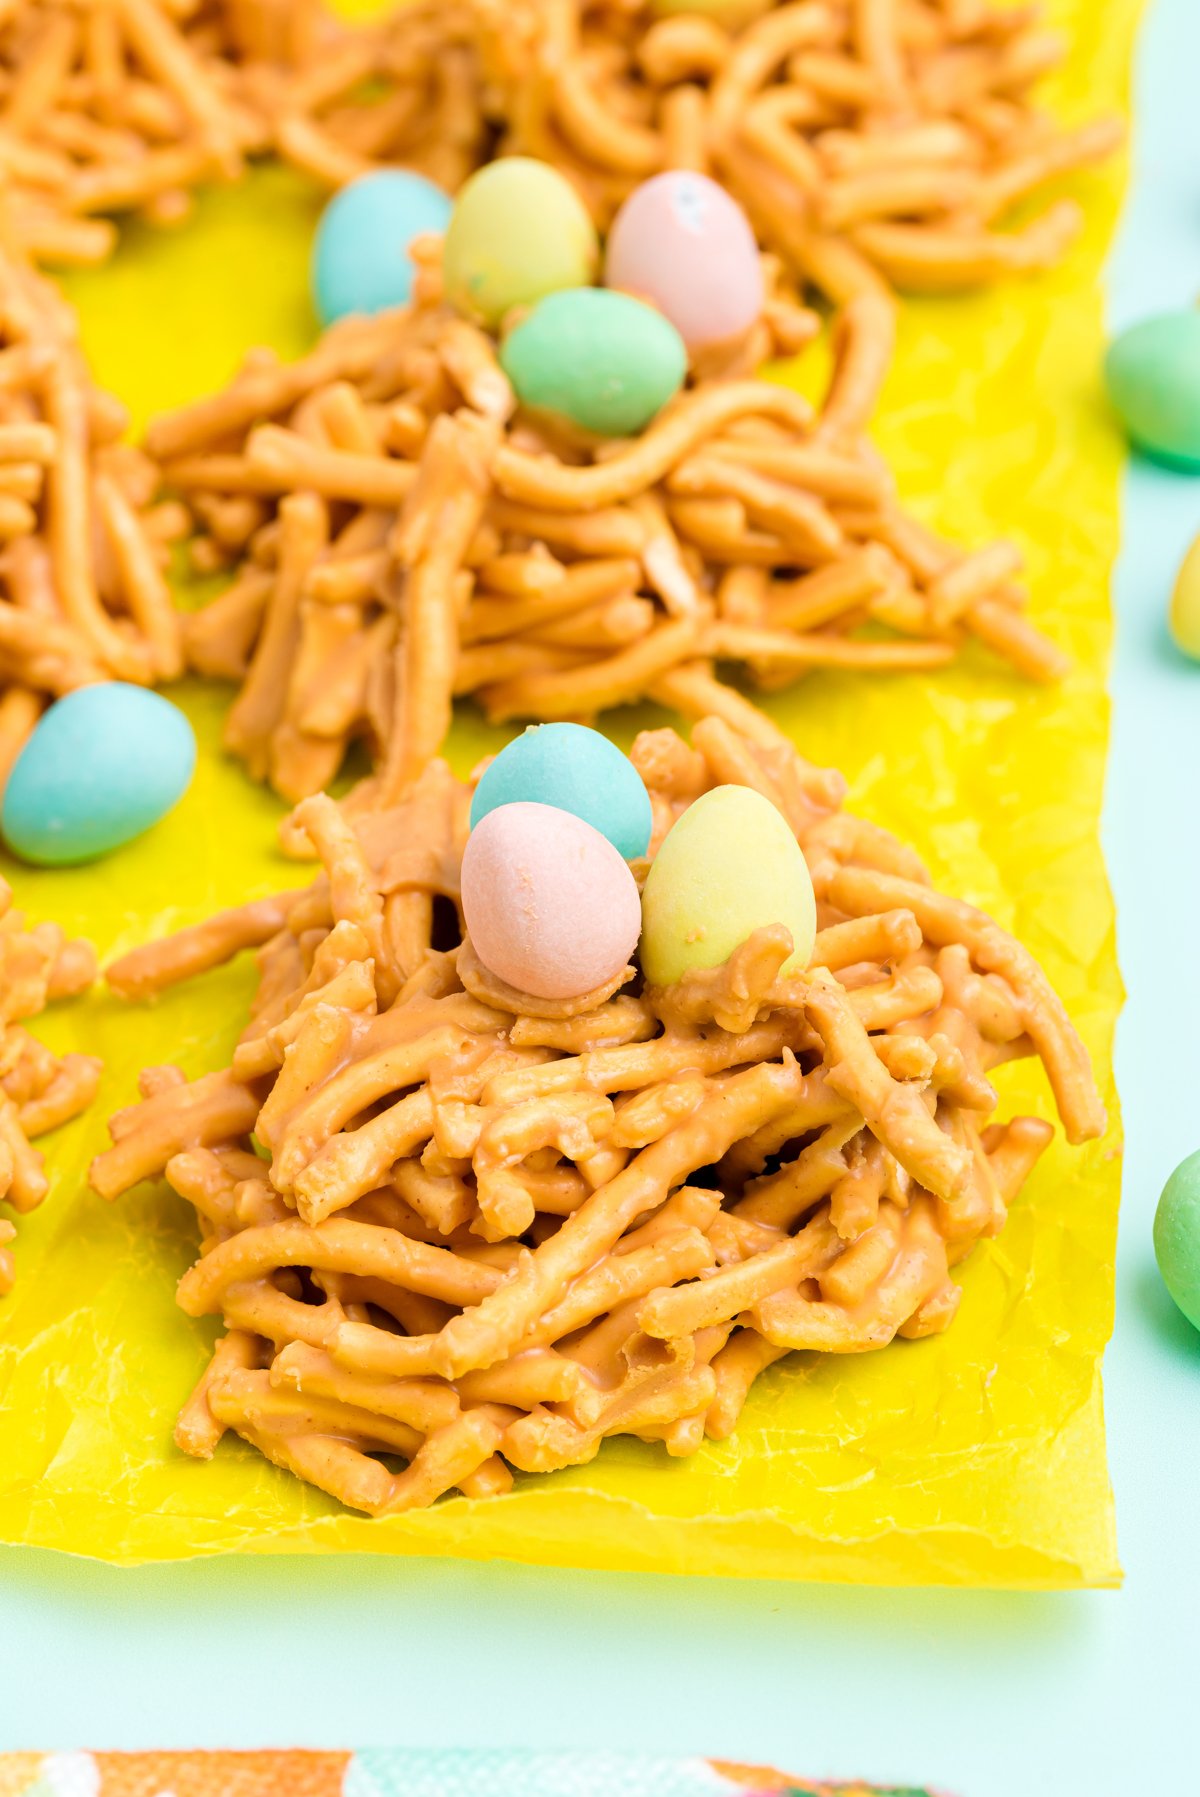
(550, 906)
(1177, 1237)
(729, 866)
(576, 770)
(103, 764)
(602, 361)
(518, 231)
(682, 242)
(1153, 377)
(360, 259)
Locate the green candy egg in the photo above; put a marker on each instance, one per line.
(518, 231)
(1177, 1237)
(1153, 377)
(728, 867)
(604, 361)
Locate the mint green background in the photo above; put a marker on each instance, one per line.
(990, 1695)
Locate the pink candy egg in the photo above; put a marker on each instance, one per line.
(681, 242)
(549, 904)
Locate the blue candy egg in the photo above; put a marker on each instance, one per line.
(103, 764)
(360, 254)
(577, 770)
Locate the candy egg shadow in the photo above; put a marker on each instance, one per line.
(1161, 460)
(1158, 1310)
(1166, 651)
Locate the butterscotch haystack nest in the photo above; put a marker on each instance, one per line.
(874, 143)
(489, 1231)
(38, 1089)
(402, 534)
(83, 545)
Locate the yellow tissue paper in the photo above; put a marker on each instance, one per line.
(976, 1457)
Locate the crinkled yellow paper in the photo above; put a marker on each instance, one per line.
(976, 1457)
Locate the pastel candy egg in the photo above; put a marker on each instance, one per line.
(1177, 1237)
(1185, 604)
(360, 260)
(577, 770)
(549, 905)
(729, 866)
(601, 360)
(103, 764)
(682, 242)
(518, 231)
(1153, 377)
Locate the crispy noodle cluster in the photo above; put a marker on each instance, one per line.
(403, 87)
(83, 545)
(38, 1089)
(403, 535)
(875, 143)
(486, 1231)
(127, 106)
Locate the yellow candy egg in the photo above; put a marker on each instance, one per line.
(1185, 604)
(728, 867)
(518, 231)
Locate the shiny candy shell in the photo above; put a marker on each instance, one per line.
(1177, 1237)
(728, 867)
(518, 231)
(1153, 376)
(683, 243)
(360, 259)
(103, 764)
(550, 906)
(1185, 604)
(603, 361)
(577, 770)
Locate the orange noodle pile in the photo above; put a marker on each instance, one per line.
(401, 534)
(83, 541)
(448, 1222)
(38, 1089)
(127, 106)
(874, 143)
